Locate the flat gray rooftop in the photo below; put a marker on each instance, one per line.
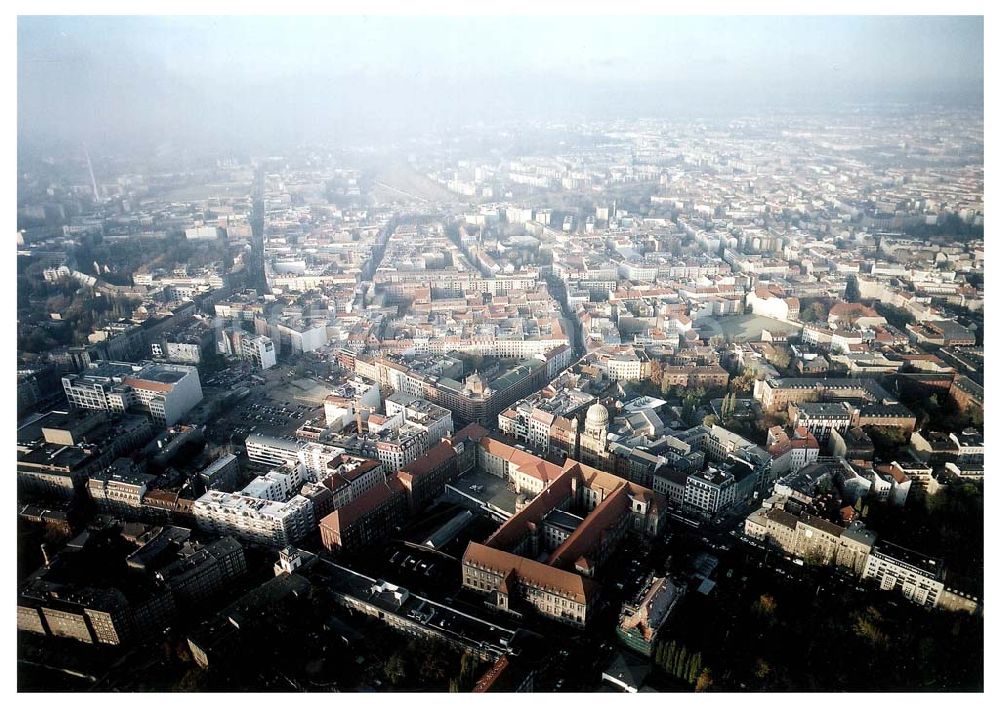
(564, 520)
(161, 374)
(494, 492)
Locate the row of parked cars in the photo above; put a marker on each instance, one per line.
(411, 563)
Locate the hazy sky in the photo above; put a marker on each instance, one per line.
(258, 79)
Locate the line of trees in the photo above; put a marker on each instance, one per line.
(467, 674)
(897, 317)
(680, 662)
(430, 664)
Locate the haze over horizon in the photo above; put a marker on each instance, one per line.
(237, 82)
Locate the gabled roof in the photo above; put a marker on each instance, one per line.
(511, 531)
(430, 461)
(785, 519)
(895, 471)
(532, 573)
(472, 432)
(492, 675)
(497, 448)
(360, 506)
(534, 466)
(542, 417)
(594, 478)
(588, 535)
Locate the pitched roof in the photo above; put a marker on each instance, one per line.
(492, 675)
(497, 448)
(542, 416)
(563, 423)
(432, 460)
(898, 475)
(533, 573)
(822, 524)
(594, 478)
(472, 432)
(785, 519)
(588, 534)
(360, 506)
(534, 466)
(511, 531)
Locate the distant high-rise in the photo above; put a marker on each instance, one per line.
(93, 180)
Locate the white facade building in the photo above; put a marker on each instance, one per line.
(259, 350)
(395, 452)
(710, 491)
(434, 419)
(720, 442)
(342, 406)
(917, 577)
(181, 352)
(254, 519)
(273, 451)
(278, 485)
(166, 391)
(624, 367)
(203, 233)
(299, 337)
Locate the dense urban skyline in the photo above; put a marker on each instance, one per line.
(483, 355)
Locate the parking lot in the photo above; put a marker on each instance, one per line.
(420, 570)
(269, 413)
(258, 412)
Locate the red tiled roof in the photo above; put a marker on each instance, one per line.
(534, 466)
(898, 475)
(511, 531)
(472, 432)
(532, 573)
(365, 466)
(430, 461)
(360, 506)
(492, 675)
(335, 482)
(148, 385)
(497, 448)
(840, 310)
(586, 537)
(542, 416)
(592, 477)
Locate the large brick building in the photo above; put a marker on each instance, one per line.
(366, 519)
(559, 594)
(546, 554)
(811, 537)
(425, 478)
(709, 376)
(775, 395)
